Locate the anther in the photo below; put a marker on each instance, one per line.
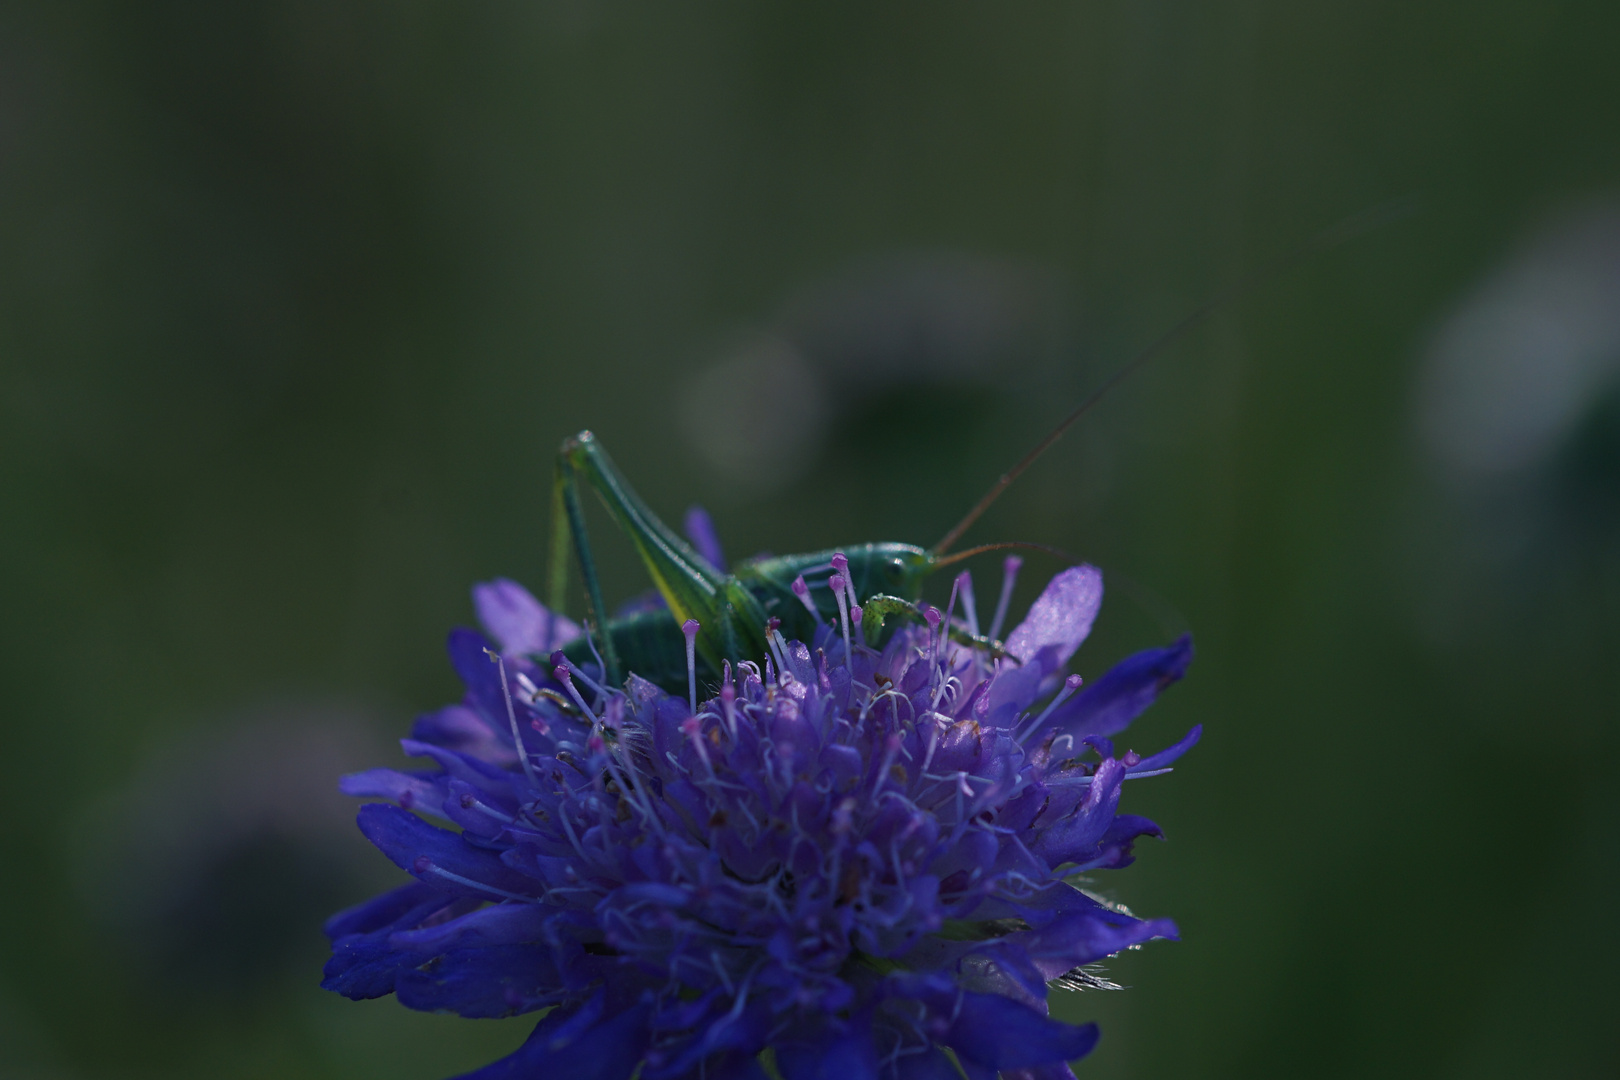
(1009, 577)
(690, 629)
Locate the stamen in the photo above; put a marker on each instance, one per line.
(470, 801)
(774, 642)
(560, 659)
(840, 563)
(779, 647)
(836, 583)
(590, 643)
(690, 629)
(942, 648)
(1070, 685)
(855, 617)
(1009, 577)
(932, 617)
(802, 591)
(511, 717)
(728, 703)
(970, 611)
(425, 865)
(564, 674)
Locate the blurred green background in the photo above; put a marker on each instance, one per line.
(299, 298)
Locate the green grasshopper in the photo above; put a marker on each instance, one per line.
(734, 611)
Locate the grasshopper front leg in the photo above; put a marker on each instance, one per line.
(731, 618)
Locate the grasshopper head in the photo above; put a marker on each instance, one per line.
(894, 569)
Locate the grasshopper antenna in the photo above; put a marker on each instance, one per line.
(1329, 238)
(1005, 545)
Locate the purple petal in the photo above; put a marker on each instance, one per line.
(1009, 693)
(1057, 1070)
(1120, 695)
(734, 1066)
(363, 963)
(1086, 936)
(1059, 620)
(523, 625)
(560, 1049)
(439, 857)
(469, 655)
(481, 984)
(500, 924)
(850, 1056)
(1000, 1033)
(974, 1071)
(456, 727)
(743, 1034)
(1005, 968)
(1076, 836)
(400, 787)
(379, 911)
(463, 767)
(931, 1064)
(699, 529)
(1114, 849)
(364, 966)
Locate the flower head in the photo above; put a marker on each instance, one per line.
(858, 858)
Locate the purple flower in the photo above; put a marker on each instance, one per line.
(861, 860)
